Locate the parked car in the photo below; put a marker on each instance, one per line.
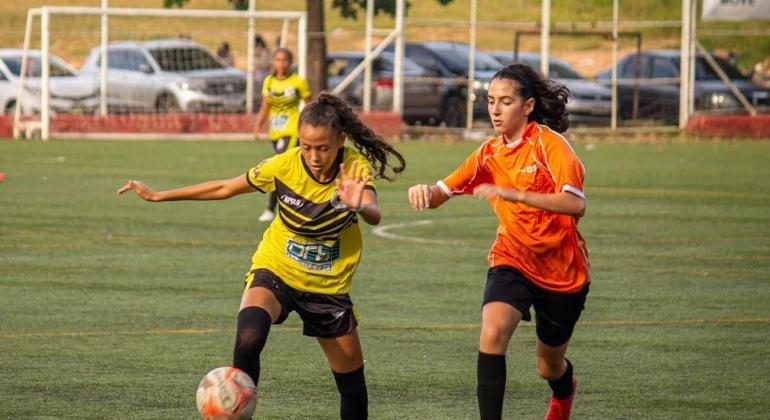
(661, 99)
(449, 61)
(69, 92)
(590, 102)
(167, 76)
(422, 98)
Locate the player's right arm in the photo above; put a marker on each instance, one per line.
(264, 109)
(261, 120)
(423, 196)
(463, 180)
(210, 190)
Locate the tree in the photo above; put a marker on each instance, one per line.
(316, 46)
(316, 43)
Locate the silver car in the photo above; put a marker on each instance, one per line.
(170, 75)
(69, 92)
(590, 103)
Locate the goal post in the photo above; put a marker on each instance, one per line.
(181, 79)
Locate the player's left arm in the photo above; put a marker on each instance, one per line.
(559, 202)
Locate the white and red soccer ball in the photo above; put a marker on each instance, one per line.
(226, 393)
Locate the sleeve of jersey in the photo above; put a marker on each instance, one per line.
(265, 84)
(304, 89)
(262, 176)
(567, 170)
(466, 177)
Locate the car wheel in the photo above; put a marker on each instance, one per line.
(166, 103)
(454, 112)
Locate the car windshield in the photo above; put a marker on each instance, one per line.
(556, 70)
(184, 59)
(34, 67)
(410, 67)
(455, 56)
(703, 70)
(339, 66)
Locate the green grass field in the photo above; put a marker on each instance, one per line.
(113, 308)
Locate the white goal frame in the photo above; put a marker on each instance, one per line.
(46, 12)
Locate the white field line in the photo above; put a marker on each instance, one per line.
(383, 232)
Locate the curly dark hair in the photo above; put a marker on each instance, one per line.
(550, 97)
(331, 111)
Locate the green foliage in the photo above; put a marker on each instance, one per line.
(115, 308)
(349, 8)
(237, 4)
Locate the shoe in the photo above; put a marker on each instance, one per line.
(266, 216)
(560, 409)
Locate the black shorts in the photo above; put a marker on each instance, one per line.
(325, 316)
(555, 313)
(281, 144)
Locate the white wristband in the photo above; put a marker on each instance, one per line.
(360, 208)
(339, 205)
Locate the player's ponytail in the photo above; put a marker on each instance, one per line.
(331, 111)
(550, 97)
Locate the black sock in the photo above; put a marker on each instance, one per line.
(253, 327)
(491, 374)
(562, 387)
(272, 201)
(354, 401)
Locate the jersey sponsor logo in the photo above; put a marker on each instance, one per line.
(278, 122)
(255, 170)
(531, 169)
(296, 202)
(316, 257)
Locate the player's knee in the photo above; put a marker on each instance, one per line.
(253, 328)
(549, 369)
(494, 336)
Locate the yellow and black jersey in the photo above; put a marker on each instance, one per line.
(283, 96)
(312, 245)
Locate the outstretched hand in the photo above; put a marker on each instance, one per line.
(493, 191)
(140, 189)
(350, 185)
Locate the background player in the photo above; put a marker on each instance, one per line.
(307, 256)
(281, 94)
(534, 182)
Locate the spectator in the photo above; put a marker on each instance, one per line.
(225, 54)
(263, 58)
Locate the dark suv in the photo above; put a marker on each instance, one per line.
(660, 99)
(422, 98)
(448, 61)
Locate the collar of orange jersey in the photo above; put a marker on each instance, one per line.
(528, 130)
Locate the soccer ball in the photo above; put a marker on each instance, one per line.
(226, 393)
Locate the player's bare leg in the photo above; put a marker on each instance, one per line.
(557, 370)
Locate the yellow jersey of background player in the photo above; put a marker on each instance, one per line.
(283, 97)
(314, 245)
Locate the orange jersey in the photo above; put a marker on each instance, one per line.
(546, 247)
